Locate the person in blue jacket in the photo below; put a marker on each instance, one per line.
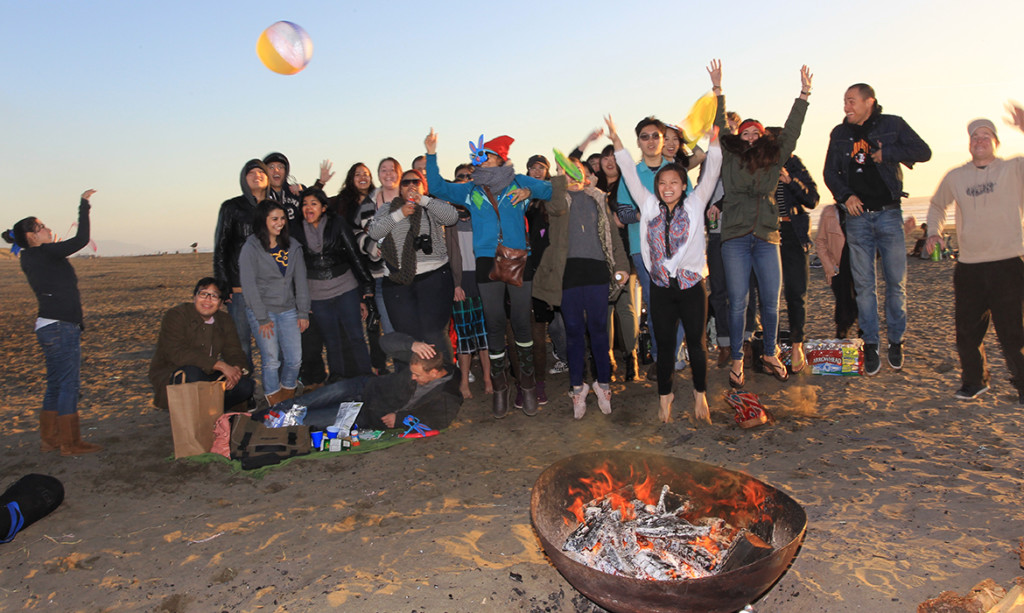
(497, 199)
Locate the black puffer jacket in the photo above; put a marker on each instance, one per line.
(234, 225)
(339, 254)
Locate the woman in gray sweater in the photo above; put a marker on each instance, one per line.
(273, 276)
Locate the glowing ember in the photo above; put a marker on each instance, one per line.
(622, 530)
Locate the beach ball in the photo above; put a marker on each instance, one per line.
(285, 48)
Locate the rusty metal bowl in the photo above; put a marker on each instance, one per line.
(716, 488)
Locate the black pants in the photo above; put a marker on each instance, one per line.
(240, 393)
(423, 308)
(795, 275)
(669, 306)
(845, 295)
(989, 291)
(312, 371)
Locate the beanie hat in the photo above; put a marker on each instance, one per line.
(499, 146)
(982, 123)
(538, 158)
(255, 163)
(276, 157)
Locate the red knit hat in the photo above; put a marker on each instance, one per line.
(499, 146)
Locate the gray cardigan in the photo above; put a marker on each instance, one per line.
(265, 290)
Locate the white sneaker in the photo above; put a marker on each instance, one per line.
(604, 398)
(558, 368)
(472, 377)
(579, 401)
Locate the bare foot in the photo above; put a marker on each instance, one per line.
(466, 394)
(700, 407)
(665, 410)
(488, 388)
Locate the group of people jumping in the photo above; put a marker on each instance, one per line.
(496, 262)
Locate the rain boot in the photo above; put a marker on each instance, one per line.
(631, 367)
(70, 437)
(527, 381)
(49, 439)
(499, 380)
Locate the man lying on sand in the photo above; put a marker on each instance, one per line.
(422, 385)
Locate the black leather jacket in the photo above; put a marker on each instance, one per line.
(234, 225)
(339, 254)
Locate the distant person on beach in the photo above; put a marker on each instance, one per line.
(199, 340)
(988, 281)
(58, 326)
(422, 386)
(862, 169)
(234, 225)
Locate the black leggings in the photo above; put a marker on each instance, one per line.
(669, 306)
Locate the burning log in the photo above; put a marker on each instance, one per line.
(657, 542)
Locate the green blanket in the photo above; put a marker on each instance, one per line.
(390, 438)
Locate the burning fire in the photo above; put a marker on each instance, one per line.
(618, 493)
(636, 526)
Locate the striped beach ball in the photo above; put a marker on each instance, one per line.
(285, 48)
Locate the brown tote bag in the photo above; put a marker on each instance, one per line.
(194, 409)
(509, 263)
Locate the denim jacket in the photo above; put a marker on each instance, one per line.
(899, 143)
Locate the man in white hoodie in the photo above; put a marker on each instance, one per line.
(988, 282)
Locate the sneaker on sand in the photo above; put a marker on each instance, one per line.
(579, 401)
(872, 363)
(896, 355)
(970, 392)
(558, 368)
(604, 398)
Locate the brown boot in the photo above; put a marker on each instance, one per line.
(287, 393)
(49, 439)
(70, 437)
(724, 355)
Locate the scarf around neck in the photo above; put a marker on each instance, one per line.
(402, 271)
(495, 178)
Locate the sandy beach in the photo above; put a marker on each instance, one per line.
(908, 492)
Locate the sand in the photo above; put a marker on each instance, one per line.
(908, 492)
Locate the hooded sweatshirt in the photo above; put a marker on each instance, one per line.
(234, 225)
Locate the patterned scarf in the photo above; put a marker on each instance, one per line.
(402, 272)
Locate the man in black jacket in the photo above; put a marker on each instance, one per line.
(234, 225)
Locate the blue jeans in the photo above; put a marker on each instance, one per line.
(644, 279)
(378, 298)
(585, 309)
(879, 232)
(281, 353)
(62, 347)
(237, 311)
(322, 404)
(740, 256)
(341, 325)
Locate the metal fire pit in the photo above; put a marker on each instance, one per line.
(717, 488)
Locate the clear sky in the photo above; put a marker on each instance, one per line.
(158, 105)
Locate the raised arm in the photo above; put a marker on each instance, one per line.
(712, 170)
(640, 194)
(81, 238)
(452, 192)
(791, 130)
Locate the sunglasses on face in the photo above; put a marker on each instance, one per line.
(408, 182)
(650, 135)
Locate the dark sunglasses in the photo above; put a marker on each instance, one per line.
(408, 182)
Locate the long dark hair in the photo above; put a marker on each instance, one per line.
(347, 202)
(16, 235)
(762, 153)
(263, 211)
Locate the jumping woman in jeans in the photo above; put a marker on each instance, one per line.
(673, 249)
(58, 325)
(751, 164)
(276, 293)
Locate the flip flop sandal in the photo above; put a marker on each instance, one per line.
(736, 381)
(774, 370)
